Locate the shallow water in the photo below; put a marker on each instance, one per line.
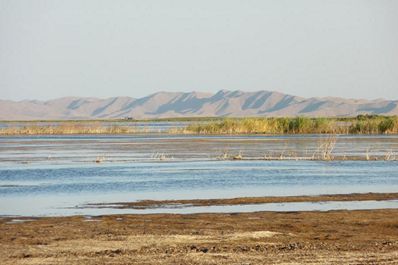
(51, 175)
(154, 127)
(136, 148)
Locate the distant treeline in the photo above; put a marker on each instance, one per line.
(362, 124)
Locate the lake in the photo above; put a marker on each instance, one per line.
(55, 175)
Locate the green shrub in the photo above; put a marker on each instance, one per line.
(362, 124)
(386, 125)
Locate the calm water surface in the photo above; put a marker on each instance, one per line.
(148, 126)
(51, 175)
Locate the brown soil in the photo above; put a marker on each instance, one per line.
(334, 237)
(145, 204)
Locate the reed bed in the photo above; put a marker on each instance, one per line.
(363, 124)
(68, 128)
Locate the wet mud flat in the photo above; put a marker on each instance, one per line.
(153, 204)
(333, 237)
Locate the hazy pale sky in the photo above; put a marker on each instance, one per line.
(346, 48)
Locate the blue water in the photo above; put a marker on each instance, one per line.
(304, 176)
(52, 175)
(53, 189)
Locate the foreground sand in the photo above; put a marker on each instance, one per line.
(335, 237)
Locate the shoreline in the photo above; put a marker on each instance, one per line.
(355, 237)
(361, 124)
(155, 204)
(127, 131)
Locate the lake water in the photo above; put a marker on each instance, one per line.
(147, 126)
(53, 175)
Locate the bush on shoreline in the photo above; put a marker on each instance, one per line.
(362, 124)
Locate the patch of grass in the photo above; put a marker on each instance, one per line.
(67, 128)
(362, 124)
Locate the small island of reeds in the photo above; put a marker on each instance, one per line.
(362, 124)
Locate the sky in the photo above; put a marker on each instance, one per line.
(101, 48)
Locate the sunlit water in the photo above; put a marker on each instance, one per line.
(51, 175)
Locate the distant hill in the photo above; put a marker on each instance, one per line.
(193, 104)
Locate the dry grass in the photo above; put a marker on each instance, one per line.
(325, 149)
(68, 128)
(298, 125)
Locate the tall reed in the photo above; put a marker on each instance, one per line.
(362, 124)
(67, 128)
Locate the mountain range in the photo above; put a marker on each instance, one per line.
(193, 104)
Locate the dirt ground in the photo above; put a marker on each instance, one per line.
(145, 204)
(334, 237)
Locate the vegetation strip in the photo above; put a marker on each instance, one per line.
(151, 204)
(68, 128)
(362, 124)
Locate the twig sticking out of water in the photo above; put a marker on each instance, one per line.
(367, 154)
(325, 148)
(281, 157)
(389, 156)
(223, 156)
(238, 156)
(100, 159)
(161, 156)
